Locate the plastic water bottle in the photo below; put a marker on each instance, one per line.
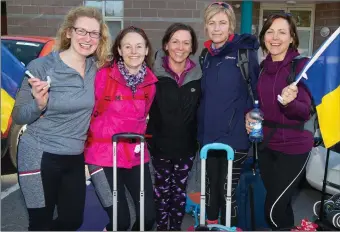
(256, 135)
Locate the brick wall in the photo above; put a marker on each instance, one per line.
(37, 17)
(154, 16)
(43, 17)
(326, 15)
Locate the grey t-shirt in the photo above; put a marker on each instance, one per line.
(62, 127)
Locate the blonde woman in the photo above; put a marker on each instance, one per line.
(224, 100)
(50, 154)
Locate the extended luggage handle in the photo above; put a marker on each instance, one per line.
(128, 136)
(230, 158)
(115, 139)
(217, 146)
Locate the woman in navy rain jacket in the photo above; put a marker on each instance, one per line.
(225, 99)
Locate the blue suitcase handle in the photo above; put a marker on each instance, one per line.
(217, 146)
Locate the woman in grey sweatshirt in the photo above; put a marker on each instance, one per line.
(50, 153)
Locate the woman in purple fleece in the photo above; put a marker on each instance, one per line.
(282, 161)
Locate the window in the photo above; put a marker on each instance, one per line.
(24, 51)
(113, 12)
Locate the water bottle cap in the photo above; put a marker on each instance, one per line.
(256, 101)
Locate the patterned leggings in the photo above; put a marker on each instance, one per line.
(171, 176)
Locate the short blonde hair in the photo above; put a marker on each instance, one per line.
(215, 8)
(63, 43)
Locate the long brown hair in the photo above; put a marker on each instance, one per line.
(116, 56)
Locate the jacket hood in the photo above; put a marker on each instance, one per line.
(160, 72)
(272, 66)
(290, 55)
(244, 41)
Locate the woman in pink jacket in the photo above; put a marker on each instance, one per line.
(124, 91)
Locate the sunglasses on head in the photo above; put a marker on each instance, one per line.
(278, 14)
(223, 4)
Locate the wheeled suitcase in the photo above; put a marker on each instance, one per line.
(230, 158)
(115, 139)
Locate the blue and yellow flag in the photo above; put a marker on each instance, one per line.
(322, 77)
(12, 74)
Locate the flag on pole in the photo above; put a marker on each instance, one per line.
(321, 75)
(12, 74)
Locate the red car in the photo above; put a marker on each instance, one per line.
(25, 49)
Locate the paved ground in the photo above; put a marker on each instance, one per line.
(14, 215)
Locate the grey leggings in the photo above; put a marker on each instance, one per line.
(48, 181)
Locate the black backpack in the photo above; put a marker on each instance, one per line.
(242, 57)
(312, 124)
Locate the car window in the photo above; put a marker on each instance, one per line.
(24, 51)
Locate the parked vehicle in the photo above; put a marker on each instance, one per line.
(25, 49)
(316, 168)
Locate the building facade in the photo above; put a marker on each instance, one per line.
(316, 20)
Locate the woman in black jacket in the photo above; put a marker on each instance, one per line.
(173, 123)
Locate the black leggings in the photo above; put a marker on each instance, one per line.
(61, 183)
(129, 178)
(281, 174)
(216, 188)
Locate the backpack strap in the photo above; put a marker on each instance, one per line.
(144, 96)
(261, 68)
(273, 128)
(292, 74)
(243, 64)
(108, 95)
(156, 53)
(203, 57)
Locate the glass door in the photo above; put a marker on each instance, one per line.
(303, 18)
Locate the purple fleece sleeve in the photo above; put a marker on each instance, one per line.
(299, 109)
